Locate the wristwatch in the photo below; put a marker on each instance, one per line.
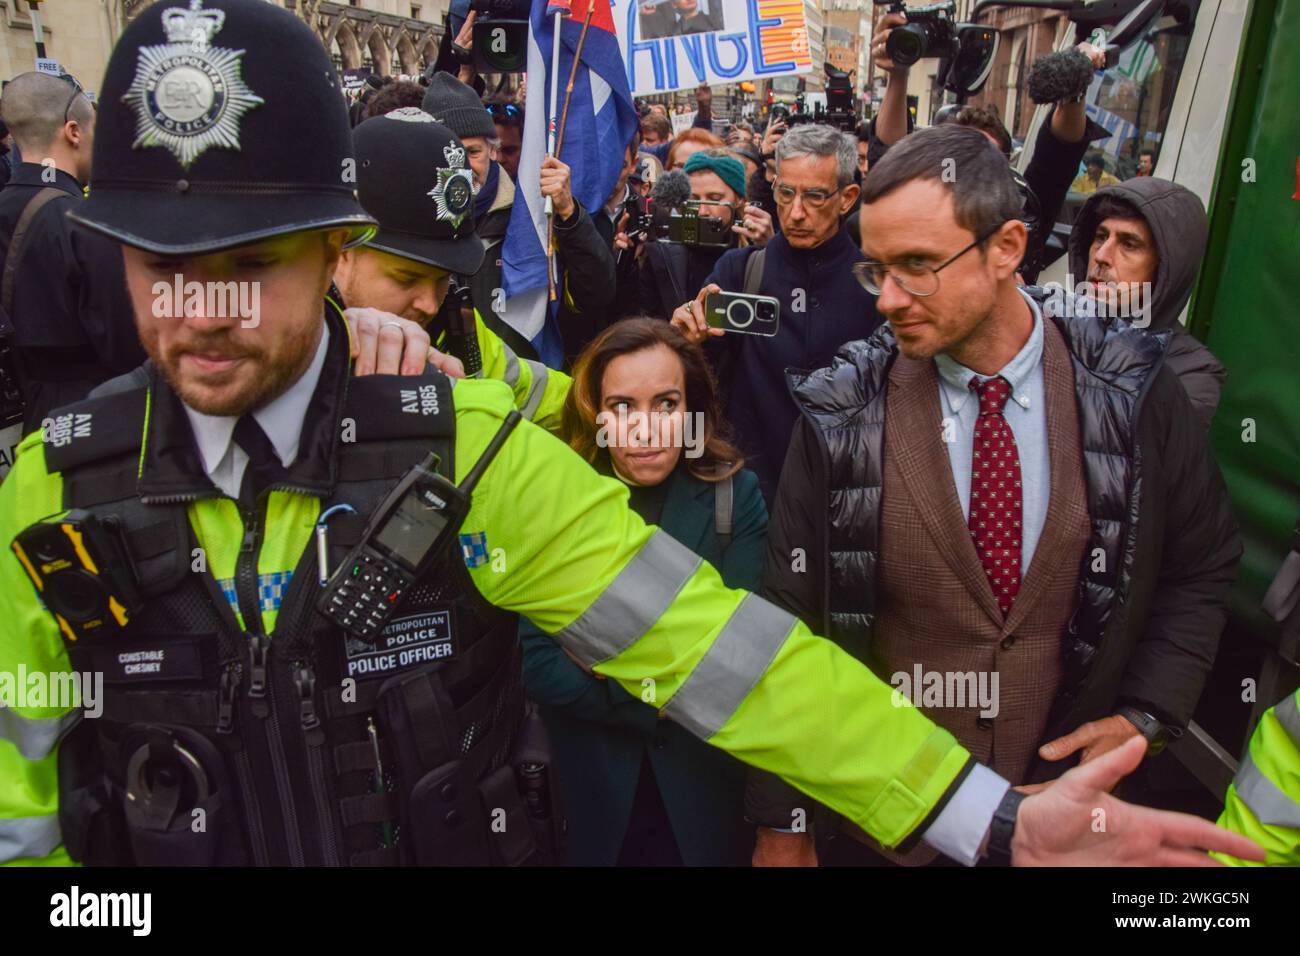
(1003, 828)
(1150, 727)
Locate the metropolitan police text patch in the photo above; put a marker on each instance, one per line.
(406, 641)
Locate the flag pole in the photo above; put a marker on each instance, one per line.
(549, 207)
(558, 139)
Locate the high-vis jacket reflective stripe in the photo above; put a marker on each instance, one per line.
(35, 737)
(538, 390)
(570, 555)
(639, 595)
(1263, 802)
(29, 837)
(731, 666)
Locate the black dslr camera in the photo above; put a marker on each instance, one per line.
(837, 112)
(966, 49)
(500, 43)
(688, 226)
(839, 100)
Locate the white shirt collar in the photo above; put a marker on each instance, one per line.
(956, 377)
(281, 419)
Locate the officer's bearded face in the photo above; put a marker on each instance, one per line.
(374, 279)
(233, 330)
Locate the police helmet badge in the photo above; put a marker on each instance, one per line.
(189, 96)
(410, 114)
(453, 194)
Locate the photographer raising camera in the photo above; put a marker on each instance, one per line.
(805, 270)
(694, 233)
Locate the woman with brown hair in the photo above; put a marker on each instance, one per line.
(638, 790)
(689, 142)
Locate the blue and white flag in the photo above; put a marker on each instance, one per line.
(600, 124)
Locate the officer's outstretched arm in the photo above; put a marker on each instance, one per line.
(566, 551)
(31, 651)
(539, 391)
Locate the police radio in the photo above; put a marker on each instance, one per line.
(82, 571)
(411, 525)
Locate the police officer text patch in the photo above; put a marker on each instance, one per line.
(405, 641)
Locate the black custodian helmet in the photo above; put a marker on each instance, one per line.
(413, 177)
(221, 123)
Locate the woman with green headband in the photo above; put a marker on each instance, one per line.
(673, 272)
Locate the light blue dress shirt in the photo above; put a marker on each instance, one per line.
(960, 827)
(1025, 412)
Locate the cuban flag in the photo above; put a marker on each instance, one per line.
(600, 124)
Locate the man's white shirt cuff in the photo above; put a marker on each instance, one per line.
(959, 829)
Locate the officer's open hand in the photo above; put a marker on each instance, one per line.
(555, 183)
(383, 344)
(1076, 822)
(689, 319)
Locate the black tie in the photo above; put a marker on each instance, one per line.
(264, 468)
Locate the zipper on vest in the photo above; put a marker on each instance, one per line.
(261, 687)
(304, 679)
(227, 691)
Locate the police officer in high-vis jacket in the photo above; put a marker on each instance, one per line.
(1264, 800)
(413, 177)
(226, 545)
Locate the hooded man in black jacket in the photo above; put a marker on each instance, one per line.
(1152, 233)
(1102, 603)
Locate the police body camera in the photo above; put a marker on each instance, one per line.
(965, 49)
(82, 571)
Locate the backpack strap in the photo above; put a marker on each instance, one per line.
(723, 500)
(754, 272)
(29, 212)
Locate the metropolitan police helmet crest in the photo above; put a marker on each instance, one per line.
(412, 177)
(221, 123)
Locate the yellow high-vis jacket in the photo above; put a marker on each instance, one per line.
(567, 552)
(1264, 799)
(539, 390)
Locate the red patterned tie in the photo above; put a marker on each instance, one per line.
(995, 493)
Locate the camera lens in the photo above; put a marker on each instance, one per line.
(74, 594)
(906, 44)
(767, 312)
(740, 314)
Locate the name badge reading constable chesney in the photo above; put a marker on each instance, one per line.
(189, 96)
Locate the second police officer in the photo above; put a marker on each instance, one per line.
(412, 176)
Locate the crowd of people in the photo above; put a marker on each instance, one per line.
(938, 465)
